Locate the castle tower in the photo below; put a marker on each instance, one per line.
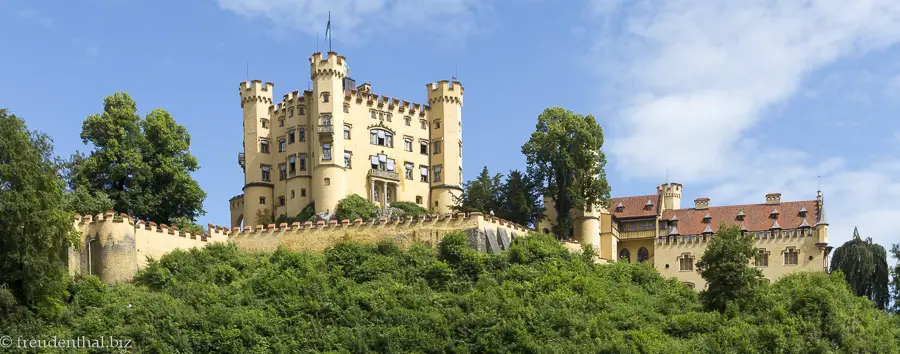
(328, 121)
(445, 100)
(256, 99)
(671, 196)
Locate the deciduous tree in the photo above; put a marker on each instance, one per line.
(725, 265)
(864, 264)
(35, 230)
(564, 155)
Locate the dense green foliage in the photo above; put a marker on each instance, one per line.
(142, 164)
(535, 298)
(564, 156)
(895, 278)
(409, 209)
(35, 228)
(517, 198)
(864, 265)
(725, 265)
(355, 207)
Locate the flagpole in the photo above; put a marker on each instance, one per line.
(329, 31)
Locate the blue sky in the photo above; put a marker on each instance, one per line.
(733, 99)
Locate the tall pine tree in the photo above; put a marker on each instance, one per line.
(520, 199)
(480, 195)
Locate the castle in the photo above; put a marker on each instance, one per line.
(790, 236)
(389, 149)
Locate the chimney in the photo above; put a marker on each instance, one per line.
(773, 198)
(701, 203)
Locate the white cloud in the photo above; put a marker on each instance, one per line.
(35, 16)
(697, 75)
(350, 19)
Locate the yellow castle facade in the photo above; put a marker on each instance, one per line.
(338, 139)
(654, 228)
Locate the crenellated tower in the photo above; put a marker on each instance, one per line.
(256, 160)
(327, 122)
(445, 100)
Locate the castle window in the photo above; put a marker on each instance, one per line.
(436, 149)
(418, 199)
(327, 181)
(281, 201)
(291, 136)
(346, 132)
(302, 192)
(265, 172)
(301, 109)
(325, 96)
(388, 116)
(423, 147)
(688, 284)
(347, 156)
(686, 263)
(381, 137)
(302, 135)
(437, 124)
(407, 121)
(264, 146)
(262, 200)
(380, 115)
(282, 145)
(326, 151)
(280, 122)
(326, 119)
(407, 144)
(791, 256)
(424, 171)
(292, 194)
(290, 111)
(460, 174)
(265, 123)
(373, 113)
(435, 203)
(346, 108)
(302, 162)
(460, 149)
(643, 255)
(625, 255)
(409, 167)
(292, 166)
(762, 258)
(423, 124)
(282, 169)
(437, 173)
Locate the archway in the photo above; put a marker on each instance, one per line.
(625, 254)
(643, 254)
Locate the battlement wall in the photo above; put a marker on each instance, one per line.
(115, 246)
(386, 103)
(445, 91)
(256, 91)
(486, 233)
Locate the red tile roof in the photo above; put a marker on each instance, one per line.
(635, 206)
(757, 217)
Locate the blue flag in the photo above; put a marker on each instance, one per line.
(328, 27)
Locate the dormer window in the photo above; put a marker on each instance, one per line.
(707, 218)
(649, 205)
(708, 230)
(803, 212)
(674, 220)
(774, 214)
(740, 216)
(620, 207)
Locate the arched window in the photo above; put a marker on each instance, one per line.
(302, 134)
(346, 132)
(381, 137)
(625, 254)
(643, 254)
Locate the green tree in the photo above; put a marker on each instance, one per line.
(864, 264)
(143, 165)
(520, 199)
(564, 155)
(895, 278)
(480, 195)
(35, 229)
(355, 207)
(78, 198)
(725, 265)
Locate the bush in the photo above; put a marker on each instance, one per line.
(410, 209)
(308, 213)
(355, 207)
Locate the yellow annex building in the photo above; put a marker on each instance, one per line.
(340, 139)
(654, 228)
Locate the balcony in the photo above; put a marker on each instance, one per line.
(326, 129)
(394, 176)
(241, 159)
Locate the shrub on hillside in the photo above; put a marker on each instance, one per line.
(409, 209)
(355, 207)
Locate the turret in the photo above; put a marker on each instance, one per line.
(445, 99)
(256, 161)
(327, 118)
(670, 195)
